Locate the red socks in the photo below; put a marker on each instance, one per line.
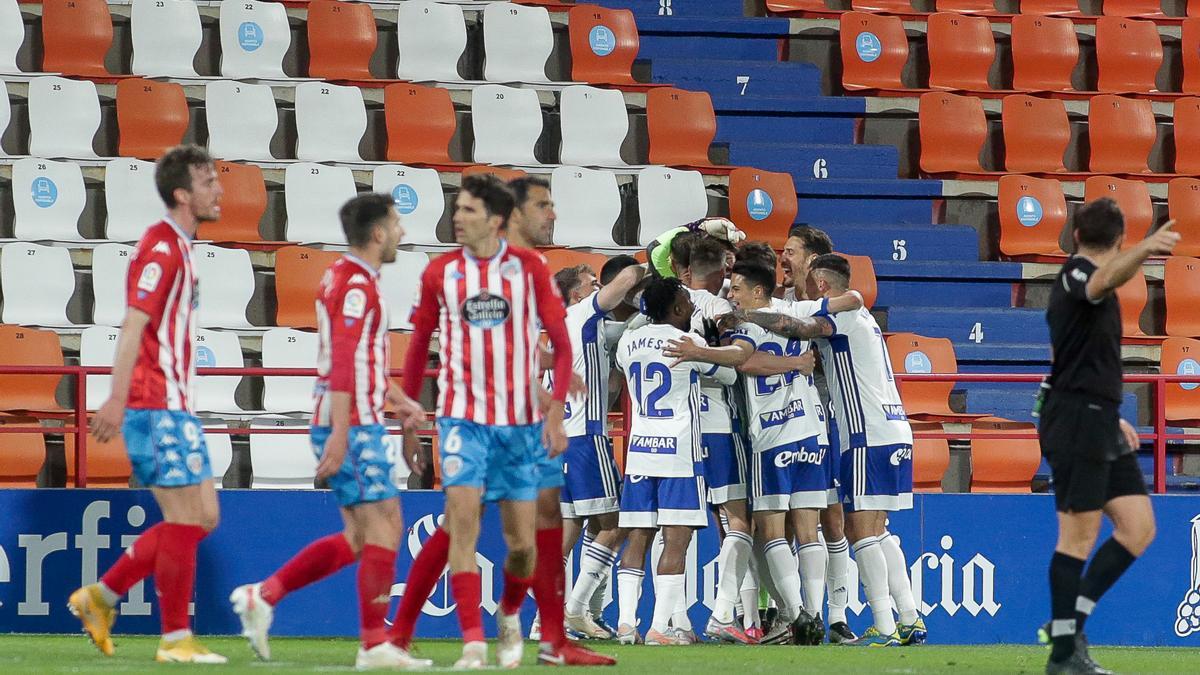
(426, 569)
(376, 572)
(467, 593)
(549, 578)
(514, 592)
(175, 572)
(316, 561)
(135, 564)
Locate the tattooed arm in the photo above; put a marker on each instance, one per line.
(804, 328)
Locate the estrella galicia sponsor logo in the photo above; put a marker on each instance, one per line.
(486, 310)
(1187, 619)
(653, 444)
(775, 418)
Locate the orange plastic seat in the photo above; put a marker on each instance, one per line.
(1132, 296)
(801, 8)
(1190, 50)
(1181, 286)
(1003, 465)
(899, 8)
(503, 173)
(681, 126)
(76, 36)
(1036, 134)
(610, 59)
(152, 117)
(953, 131)
(341, 40)
(1138, 9)
(862, 277)
(420, 123)
(1044, 52)
(874, 51)
(1051, 7)
(23, 346)
(1187, 135)
(762, 204)
(1183, 206)
(976, 7)
(1181, 356)
(242, 205)
(562, 258)
(931, 458)
(1133, 198)
(298, 272)
(107, 463)
(1128, 55)
(1121, 132)
(961, 52)
(21, 455)
(912, 353)
(1033, 212)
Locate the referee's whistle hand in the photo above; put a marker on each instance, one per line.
(1163, 240)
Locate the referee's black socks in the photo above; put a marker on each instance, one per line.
(1065, 574)
(1109, 563)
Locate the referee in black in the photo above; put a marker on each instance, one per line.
(1089, 447)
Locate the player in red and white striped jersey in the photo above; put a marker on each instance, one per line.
(151, 406)
(351, 442)
(489, 300)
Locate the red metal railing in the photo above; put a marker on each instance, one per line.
(79, 414)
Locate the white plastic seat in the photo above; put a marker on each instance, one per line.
(241, 119)
(432, 38)
(226, 280)
(216, 349)
(37, 282)
(281, 461)
(63, 117)
(517, 41)
(220, 452)
(668, 198)
(418, 196)
(5, 108)
(399, 282)
(166, 36)
(131, 198)
(594, 125)
(12, 36)
(312, 196)
(330, 122)
(98, 347)
(110, 266)
(507, 122)
(288, 348)
(48, 198)
(254, 38)
(588, 205)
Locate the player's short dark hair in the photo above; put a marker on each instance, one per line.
(757, 274)
(681, 248)
(569, 278)
(814, 240)
(757, 252)
(174, 170)
(521, 186)
(660, 296)
(497, 198)
(707, 255)
(361, 214)
(1099, 223)
(832, 263)
(615, 266)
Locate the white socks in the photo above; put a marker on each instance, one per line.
(732, 562)
(748, 594)
(812, 576)
(873, 573)
(596, 562)
(786, 577)
(629, 590)
(835, 579)
(668, 594)
(899, 583)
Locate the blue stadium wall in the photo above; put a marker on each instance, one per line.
(977, 563)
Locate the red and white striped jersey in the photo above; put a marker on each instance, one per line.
(488, 313)
(353, 357)
(162, 283)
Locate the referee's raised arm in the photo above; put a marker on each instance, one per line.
(1111, 276)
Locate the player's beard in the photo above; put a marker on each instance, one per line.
(389, 254)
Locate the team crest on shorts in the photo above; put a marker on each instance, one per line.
(195, 462)
(486, 310)
(452, 466)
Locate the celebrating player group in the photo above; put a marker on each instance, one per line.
(772, 416)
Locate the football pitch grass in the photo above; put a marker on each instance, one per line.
(62, 653)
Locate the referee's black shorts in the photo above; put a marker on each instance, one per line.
(1090, 465)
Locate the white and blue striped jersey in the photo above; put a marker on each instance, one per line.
(780, 409)
(664, 434)
(585, 414)
(714, 400)
(861, 387)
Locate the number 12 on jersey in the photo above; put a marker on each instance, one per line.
(657, 375)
